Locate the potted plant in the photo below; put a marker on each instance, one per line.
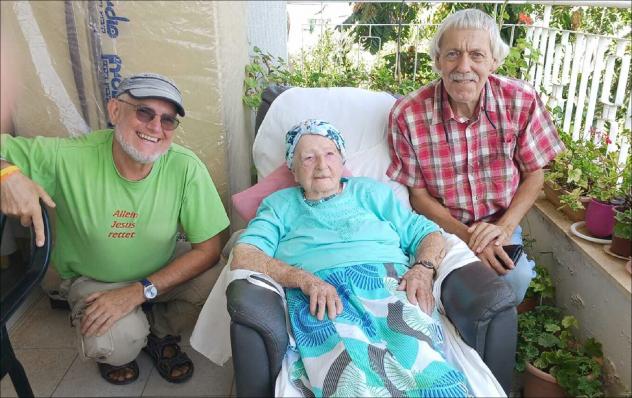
(556, 364)
(574, 204)
(556, 171)
(585, 176)
(566, 180)
(540, 289)
(604, 191)
(622, 233)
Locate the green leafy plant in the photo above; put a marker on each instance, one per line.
(386, 16)
(586, 169)
(573, 199)
(527, 241)
(329, 63)
(521, 56)
(625, 189)
(545, 340)
(262, 71)
(623, 226)
(541, 287)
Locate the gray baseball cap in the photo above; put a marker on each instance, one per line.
(152, 85)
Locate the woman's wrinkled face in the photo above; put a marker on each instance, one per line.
(317, 166)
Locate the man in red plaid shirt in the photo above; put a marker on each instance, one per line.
(471, 145)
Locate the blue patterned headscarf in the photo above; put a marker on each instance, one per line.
(314, 127)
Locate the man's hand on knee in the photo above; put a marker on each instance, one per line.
(19, 197)
(483, 234)
(104, 308)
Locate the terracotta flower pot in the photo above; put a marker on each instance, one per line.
(552, 193)
(600, 219)
(540, 384)
(527, 305)
(621, 246)
(577, 215)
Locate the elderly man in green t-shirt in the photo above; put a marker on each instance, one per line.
(120, 196)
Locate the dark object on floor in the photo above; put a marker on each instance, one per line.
(106, 372)
(13, 293)
(156, 347)
(58, 304)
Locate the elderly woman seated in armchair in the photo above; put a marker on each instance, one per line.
(364, 321)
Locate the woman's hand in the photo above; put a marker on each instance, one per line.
(418, 285)
(322, 296)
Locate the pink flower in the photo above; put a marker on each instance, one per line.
(525, 19)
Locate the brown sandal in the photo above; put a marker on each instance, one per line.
(106, 371)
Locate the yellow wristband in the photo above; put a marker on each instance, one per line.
(7, 172)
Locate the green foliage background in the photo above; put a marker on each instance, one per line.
(332, 62)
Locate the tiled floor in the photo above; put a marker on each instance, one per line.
(44, 343)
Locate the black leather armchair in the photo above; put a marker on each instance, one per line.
(16, 286)
(476, 300)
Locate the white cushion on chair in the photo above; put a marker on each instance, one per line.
(360, 115)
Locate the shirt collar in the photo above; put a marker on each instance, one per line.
(442, 110)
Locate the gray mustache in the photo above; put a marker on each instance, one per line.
(463, 76)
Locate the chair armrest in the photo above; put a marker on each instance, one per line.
(21, 284)
(259, 337)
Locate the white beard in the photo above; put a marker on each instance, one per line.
(133, 152)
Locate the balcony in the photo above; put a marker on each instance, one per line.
(45, 344)
(585, 76)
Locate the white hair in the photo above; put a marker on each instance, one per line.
(470, 18)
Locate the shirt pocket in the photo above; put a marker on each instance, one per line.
(509, 139)
(503, 168)
(498, 144)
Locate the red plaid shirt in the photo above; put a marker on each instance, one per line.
(472, 167)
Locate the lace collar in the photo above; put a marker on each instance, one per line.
(313, 203)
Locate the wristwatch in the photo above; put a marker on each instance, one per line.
(426, 264)
(149, 290)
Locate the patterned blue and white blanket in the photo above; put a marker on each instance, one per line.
(380, 346)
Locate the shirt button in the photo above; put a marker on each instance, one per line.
(475, 197)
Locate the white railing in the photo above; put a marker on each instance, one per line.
(575, 71)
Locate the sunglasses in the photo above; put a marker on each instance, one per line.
(145, 114)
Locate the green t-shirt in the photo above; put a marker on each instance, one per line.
(107, 227)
